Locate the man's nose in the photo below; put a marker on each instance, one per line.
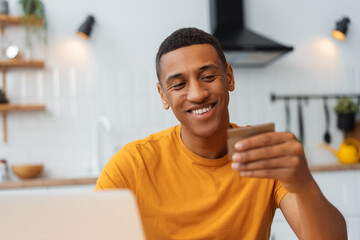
(197, 92)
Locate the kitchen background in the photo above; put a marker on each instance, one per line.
(113, 75)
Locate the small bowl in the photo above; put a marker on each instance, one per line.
(27, 171)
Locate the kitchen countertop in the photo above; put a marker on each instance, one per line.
(334, 167)
(49, 182)
(46, 182)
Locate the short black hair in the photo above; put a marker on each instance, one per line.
(185, 37)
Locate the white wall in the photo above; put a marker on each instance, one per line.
(113, 75)
(318, 65)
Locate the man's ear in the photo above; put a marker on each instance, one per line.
(230, 77)
(163, 97)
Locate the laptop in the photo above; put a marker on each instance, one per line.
(101, 215)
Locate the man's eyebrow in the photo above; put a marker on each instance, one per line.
(171, 77)
(205, 67)
(177, 75)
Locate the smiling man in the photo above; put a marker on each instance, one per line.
(184, 182)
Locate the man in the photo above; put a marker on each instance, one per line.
(184, 183)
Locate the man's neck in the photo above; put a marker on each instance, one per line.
(208, 147)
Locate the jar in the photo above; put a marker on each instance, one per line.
(4, 172)
(4, 7)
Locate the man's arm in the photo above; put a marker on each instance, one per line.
(281, 156)
(305, 211)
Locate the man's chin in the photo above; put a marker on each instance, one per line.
(205, 131)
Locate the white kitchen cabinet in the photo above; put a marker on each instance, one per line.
(340, 189)
(357, 189)
(279, 216)
(280, 229)
(352, 224)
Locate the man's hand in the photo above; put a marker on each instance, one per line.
(280, 156)
(275, 155)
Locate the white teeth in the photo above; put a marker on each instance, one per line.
(201, 111)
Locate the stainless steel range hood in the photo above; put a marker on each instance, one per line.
(242, 47)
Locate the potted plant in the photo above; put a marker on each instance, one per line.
(346, 109)
(34, 21)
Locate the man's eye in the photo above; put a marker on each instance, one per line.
(179, 85)
(209, 78)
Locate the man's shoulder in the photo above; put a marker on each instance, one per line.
(155, 139)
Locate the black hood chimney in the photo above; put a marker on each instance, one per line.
(242, 47)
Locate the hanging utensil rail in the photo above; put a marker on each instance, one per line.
(275, 97)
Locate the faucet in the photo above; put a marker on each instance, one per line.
(96, 165)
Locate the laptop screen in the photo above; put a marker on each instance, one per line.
(99, 215)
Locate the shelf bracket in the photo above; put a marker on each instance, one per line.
(4, 126)
(3, 70)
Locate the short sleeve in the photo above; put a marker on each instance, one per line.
(122, 171)
(279, 192)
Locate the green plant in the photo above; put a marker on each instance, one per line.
(34, 13)
(346, 106)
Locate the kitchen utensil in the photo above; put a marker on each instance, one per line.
(27, 170)
(4, 173)
(349, 151)
(301, 122)
(3, 97)
(327, 136)
(287, 114)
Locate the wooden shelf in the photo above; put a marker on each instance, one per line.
(6, 20)
(19, 20)
(21, 63)
(20, 107)
(5, 108)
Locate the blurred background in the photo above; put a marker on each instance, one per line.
(112, 74)
(74, 102)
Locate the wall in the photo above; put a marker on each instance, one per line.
(113, 75)
(318, 65)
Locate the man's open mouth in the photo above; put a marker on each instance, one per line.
(203, 110)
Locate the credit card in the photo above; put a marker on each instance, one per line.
(236, 134)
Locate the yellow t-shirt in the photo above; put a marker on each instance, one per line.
(184, 196)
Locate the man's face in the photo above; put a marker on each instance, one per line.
(196, 86)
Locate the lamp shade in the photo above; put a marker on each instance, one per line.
(341, 29)
(85, 28)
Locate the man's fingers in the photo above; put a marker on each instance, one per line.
(271, 155)
(276, 173)
(280, 162)
(260, 153)
(273, 151)
(264, 139)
